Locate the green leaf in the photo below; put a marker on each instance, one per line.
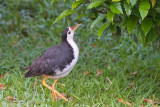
(116, 0)
(110, 15)
(146, 25)
(128, 8)
(78, 17)
(102, 28)
(116, 7)
(152, 34)
(140, 35)
(97, 20)
(95, 3)
(64, 14)
(53, 1)
(133, 2)
(76, 3)
(144, 8)
(131, 23)
(153, 2)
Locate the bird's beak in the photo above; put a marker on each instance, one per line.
(74, 28)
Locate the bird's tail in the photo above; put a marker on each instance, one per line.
(30, 74)
(32, 71)
(26, 68)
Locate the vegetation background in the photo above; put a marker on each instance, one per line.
(26, 30)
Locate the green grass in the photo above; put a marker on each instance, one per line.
(25, 36)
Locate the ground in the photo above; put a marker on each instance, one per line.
(27, 30)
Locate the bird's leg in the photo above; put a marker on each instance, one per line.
(54, 97)
(46, 85)
(56, 94)
(53, 90)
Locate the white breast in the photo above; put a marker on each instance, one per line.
(68, 68)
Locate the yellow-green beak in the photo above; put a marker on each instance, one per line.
(74, 28)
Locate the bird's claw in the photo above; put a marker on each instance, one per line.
(54, 96)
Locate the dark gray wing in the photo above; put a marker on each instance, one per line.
(52, 59)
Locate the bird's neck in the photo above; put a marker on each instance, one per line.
(74, 47)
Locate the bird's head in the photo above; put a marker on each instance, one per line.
(68, 33)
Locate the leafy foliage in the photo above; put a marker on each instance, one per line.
(139, 17)
(102, 28)
(144, 8)
(97, 20)
(95, 3)
(116, 7)
(131, 23)
(146, 25)
(64, 14)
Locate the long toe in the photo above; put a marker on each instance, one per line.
(54, 96)
(61, 96)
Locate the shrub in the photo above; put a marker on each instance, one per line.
(138, 17)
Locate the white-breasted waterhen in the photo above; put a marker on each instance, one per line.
(57, 61)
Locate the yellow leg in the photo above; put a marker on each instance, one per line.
(44, 83)
(53, 90)
(54, 97)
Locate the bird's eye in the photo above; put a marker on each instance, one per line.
(69, 32)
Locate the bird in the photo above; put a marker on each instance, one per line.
(56, 62)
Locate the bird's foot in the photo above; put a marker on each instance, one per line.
(56, 94)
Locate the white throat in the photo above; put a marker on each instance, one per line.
(75, 49)
(73, 45)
